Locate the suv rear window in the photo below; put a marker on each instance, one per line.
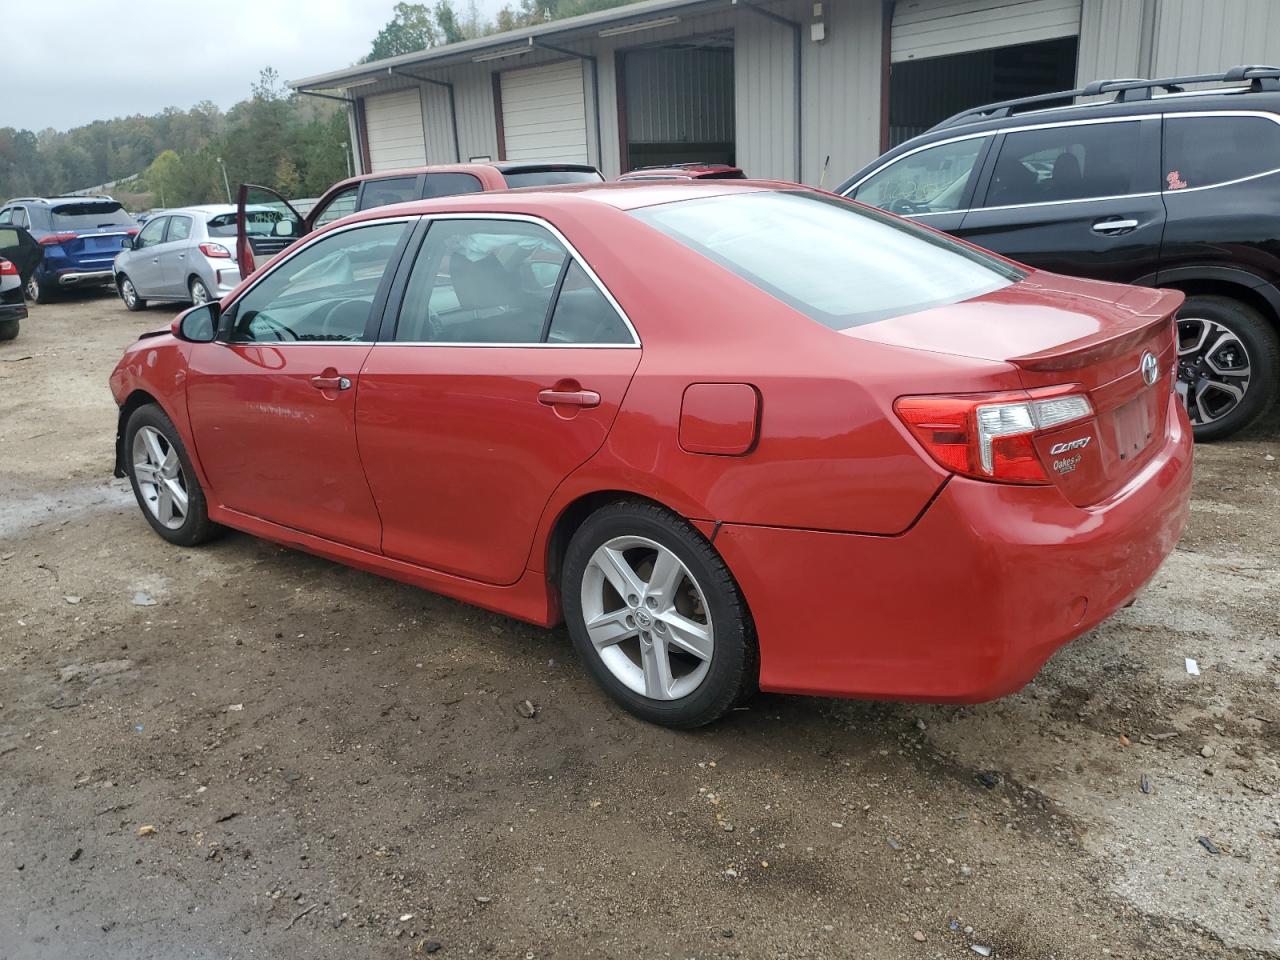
(1203, 151)
(841, 264)
(86, 216)
(549, 177)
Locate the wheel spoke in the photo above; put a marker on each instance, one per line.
(169, 468)
(668, 573)
(610, 628)
(155, 453)
(618, 572)
(657, 670)
(687, 635)
(164, 504)
(145, 472)
(177, 495)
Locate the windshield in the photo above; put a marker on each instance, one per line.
(90, 216)
(549, 178)
(841, 264)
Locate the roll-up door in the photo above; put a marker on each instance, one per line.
(394, 125)
(934, 28)
(544, 113)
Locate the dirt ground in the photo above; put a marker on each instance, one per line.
(241, 751)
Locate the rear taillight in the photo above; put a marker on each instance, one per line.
(7, 269)
(215, 250)
(991, 436)
(53, 239)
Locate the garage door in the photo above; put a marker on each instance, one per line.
(936, 28)
(394, 124)
(544, 113)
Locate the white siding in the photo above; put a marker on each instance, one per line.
(1111, 40)
(936, 28)
(544, 113)
(394, 122)
(1207, 36)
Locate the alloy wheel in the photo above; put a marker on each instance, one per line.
(33, 289)
(161, 481)
(1213, 369)
(647, 618)
(127, 292)
(199, 295)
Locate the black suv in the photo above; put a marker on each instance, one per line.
(1154, 185)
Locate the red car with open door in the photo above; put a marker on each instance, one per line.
(739, 435)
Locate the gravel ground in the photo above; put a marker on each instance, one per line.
(242, 751)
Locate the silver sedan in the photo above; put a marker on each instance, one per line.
(185, 254)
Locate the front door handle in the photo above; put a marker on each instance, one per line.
(570, 398)
(331, 383)
(1113, 226)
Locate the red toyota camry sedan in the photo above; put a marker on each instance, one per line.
(737, 436)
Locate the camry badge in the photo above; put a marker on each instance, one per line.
(1080, 444)
(1150, 368)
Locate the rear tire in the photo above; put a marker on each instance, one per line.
(1219, 339)
(694, 606)
(163, 480)
(39, 292)
(9, 329)
(199, 292)
(129, 294)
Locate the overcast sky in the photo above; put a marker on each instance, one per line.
(73, 61)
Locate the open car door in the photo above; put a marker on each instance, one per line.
(21, 249)
(265, 224)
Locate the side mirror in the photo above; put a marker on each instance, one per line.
(285, 228)
(199, 324)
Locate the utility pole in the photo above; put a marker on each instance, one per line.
(346, 155)
(225, 182)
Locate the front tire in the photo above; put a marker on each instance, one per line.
(656, 616)
(9, 329)
(163, 480)
(129, 294)
(1228, 364)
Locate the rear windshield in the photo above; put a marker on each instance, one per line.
(839, 263)
(549, 178)
(87, 216)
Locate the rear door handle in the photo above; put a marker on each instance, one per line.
(571, 398)
(331, 383)
(1113, 226)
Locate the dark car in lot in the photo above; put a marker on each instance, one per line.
(276, 224)
(19, 256)
(80, 235)
(1156, 185)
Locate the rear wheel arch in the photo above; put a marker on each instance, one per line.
(573, 515)
(1231, 290)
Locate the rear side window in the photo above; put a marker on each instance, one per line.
(840, 264)
(1203, 151)
(1072, 162)
(379, 193)
(451, 184)
(87, 216)
(337, 208)
(583, 314)
(549, 177)
(179, 229)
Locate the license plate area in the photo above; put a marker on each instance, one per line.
(1133, 426)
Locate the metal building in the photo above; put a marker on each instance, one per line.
(788, 89)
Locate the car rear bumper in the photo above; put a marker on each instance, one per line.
(12, 311)
(84, 278)
(970, 602)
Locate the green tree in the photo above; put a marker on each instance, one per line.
(288, 180)
(411, 29)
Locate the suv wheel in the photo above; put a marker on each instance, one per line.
(38, 292)
(656, 616)
(1228, 364)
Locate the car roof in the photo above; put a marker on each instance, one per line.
(502, 166)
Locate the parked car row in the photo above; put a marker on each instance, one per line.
(81, 236)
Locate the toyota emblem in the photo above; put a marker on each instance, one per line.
(1150, 368)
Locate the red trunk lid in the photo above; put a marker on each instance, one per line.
(1060, 331)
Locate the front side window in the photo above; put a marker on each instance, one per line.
(932, 181)
(838, 263)
(451, 184)
(152, 233)
(503, 281)
(6, 216)
(337, 208)
(179, 229)
(323, 293)
(1072, 162)
(1204, 151)
(380, 193)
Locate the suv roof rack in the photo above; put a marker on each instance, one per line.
(1259, 77)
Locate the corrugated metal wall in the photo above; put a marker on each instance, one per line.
(1112, 40)
(936, 28)
(1204, 36)
(680, 95)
